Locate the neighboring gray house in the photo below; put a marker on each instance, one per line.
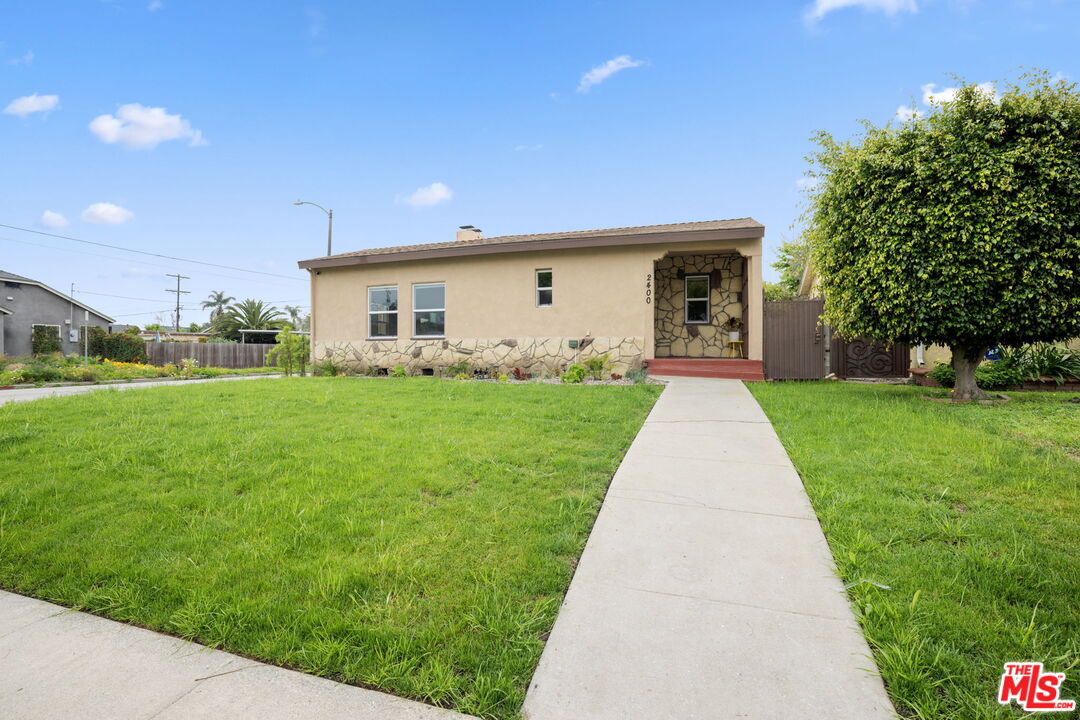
(25, 303)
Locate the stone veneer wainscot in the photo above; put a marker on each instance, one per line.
(535, 355)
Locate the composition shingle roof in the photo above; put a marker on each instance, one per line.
(12, 276)
(519, 240)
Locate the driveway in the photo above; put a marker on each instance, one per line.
(706, 589)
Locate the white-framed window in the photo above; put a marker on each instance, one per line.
(56, 328)
(382, 311)
(697, 298)
(544, 288)
(429, 309)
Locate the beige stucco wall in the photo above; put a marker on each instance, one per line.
(597, 291)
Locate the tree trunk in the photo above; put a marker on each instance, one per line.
(964, 362)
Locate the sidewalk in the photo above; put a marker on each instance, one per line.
(56, 664)
(24, 394)
(706, 589)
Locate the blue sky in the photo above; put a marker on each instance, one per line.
(188, 128)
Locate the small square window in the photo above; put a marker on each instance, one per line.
(544, 288)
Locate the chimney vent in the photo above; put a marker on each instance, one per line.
(468, 232)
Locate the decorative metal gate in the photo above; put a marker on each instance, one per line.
(864, 358)
(795, 347)
(794, 340)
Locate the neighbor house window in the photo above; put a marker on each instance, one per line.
(697, 298)
(382, 311)
(429, 310)
(543, 288)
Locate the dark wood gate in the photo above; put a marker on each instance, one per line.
(794, 346)
(864, 358)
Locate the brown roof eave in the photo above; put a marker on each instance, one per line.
(570, 243)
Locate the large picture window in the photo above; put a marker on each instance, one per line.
(429, 310)
(382, 311)
(543, 288)
(697, 298)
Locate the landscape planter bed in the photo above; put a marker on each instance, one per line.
(921, 376)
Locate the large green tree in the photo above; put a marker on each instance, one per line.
(247, 315)
(960, 228)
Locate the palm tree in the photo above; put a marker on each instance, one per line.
(216, 303)
(294, 315)
(247, 315)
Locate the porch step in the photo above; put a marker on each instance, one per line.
(727, 368)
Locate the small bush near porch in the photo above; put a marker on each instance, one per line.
(969, 514)
(415, 536)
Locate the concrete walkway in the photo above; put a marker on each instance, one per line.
(706, 589)
(57, 664)
(24, 394)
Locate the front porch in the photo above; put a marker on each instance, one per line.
(700, 301)
(701, 316)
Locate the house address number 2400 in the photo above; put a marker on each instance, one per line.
(648, 288)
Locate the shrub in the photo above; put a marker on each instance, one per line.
(996, 375)
(463, 376)
(1045, 360)
(399, 371)
(504, 378)
(328, 368)
(123, 347)
(44, 339)
(519, 374)
(637, 376)
(458, 368)
(597, 366)
(291, 352)
(616, 376)
(574, 374)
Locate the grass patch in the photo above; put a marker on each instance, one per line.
(416, 536)
(969, 513)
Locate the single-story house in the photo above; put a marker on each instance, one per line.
(26, 303)
(649, 294)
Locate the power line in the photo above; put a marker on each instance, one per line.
(144, 252)
(121, 297)
(139, 262)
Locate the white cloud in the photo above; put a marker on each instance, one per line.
(807, 182)
(433, 194)
(106, 213)
(25, 59)
(944, 95)
(155, 5)
(141, 127)
(821, 8)
(53, 219)
(31, 104)
(905, 113)
(600, 73)
(528, 148)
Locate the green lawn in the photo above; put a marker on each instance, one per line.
(413, 535)
(970, 514)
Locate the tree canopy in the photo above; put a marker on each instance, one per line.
(247, 315)
(960, 228)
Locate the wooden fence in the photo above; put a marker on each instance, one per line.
(226, 355)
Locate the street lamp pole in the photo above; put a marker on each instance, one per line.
(329, 226)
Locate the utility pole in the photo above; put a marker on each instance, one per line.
(179, 292)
